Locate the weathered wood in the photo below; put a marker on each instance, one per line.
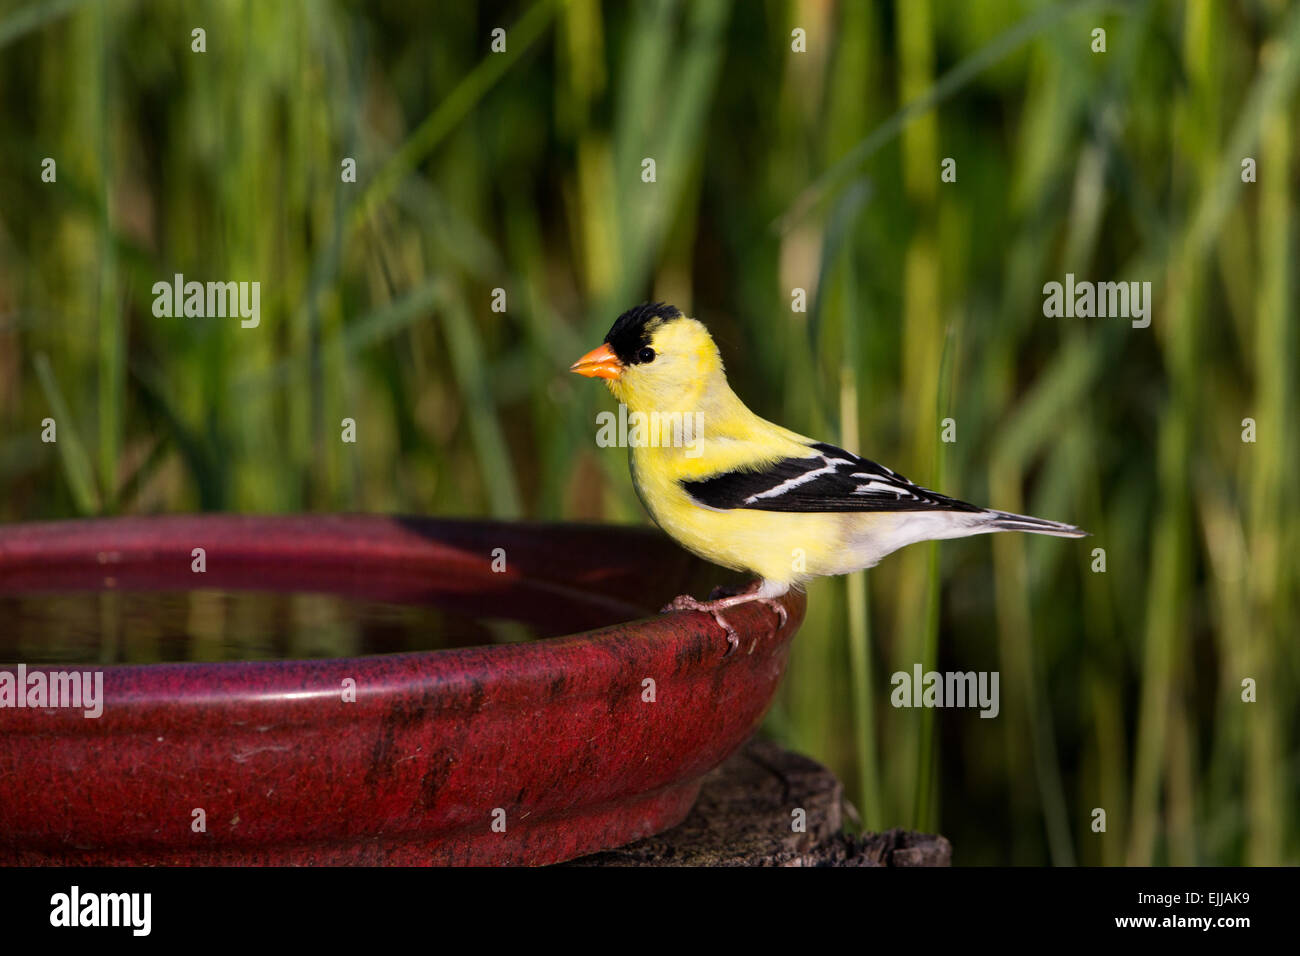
(745, 817)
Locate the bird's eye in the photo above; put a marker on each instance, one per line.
(647, 354)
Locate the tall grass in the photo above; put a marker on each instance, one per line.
(1120, 690)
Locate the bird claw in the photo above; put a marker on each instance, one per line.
(733, 639)
(684, 602)
(782, 615)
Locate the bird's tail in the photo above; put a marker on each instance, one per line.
(1005, 521)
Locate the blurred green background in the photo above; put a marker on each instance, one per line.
(776, 170)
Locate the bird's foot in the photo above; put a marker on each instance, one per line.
(715, 606)
(782, 615)
(684, 602)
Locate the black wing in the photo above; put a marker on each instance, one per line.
(831, 480)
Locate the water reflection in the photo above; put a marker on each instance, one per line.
(135, 627)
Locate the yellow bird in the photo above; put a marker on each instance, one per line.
(750, 495)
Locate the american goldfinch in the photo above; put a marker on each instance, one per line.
(750, 495)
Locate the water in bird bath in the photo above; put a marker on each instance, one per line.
(129, 627)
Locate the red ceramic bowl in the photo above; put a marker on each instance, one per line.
(521, 753)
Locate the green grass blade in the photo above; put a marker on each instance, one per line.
(456, 106)
(72, 451)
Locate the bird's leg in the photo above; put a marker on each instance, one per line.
(765, 592)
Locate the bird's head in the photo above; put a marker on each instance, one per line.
(655, 359)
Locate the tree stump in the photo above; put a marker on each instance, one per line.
(745, 816)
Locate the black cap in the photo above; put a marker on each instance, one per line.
(631, 331)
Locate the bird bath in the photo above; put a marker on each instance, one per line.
(363, 689)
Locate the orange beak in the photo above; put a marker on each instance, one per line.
(598, 363)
